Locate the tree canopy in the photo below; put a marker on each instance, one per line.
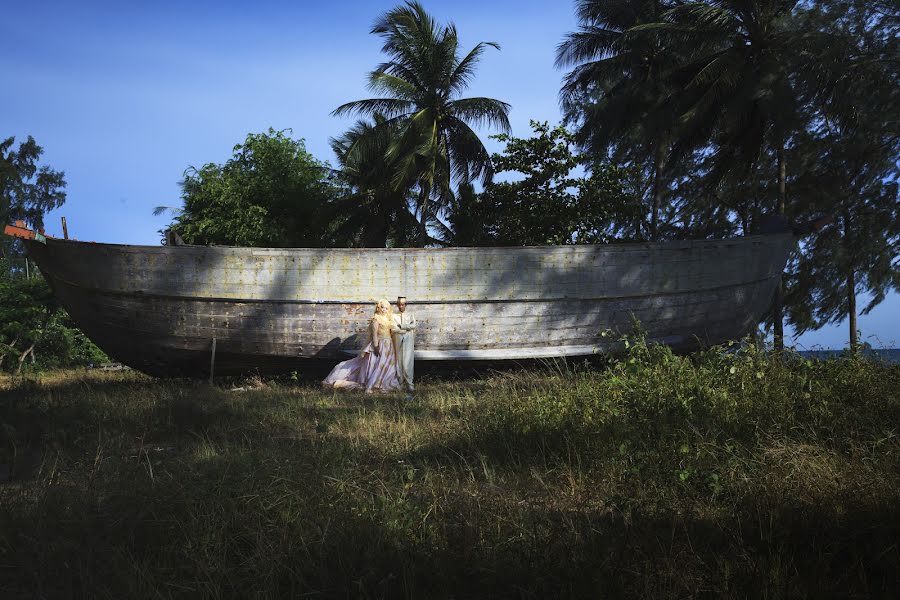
(612, 95)
(543, 203)
(28, 191)
(849, 168)
(271, 192)
(737, 108)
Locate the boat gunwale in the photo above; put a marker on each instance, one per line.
(275, 251)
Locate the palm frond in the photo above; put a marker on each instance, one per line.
(390, 107)
(615, 14)
(464, 71)
(705, 15)
(387, 83)
(469, 158)
(482, 111)
(588, 44)
(174, 210)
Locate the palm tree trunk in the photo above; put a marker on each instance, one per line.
(423, 204)
(778, 308)
(657, 190)
(851, 302)
(427, 189)
(851, 285)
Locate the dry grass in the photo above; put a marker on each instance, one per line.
(725, 474)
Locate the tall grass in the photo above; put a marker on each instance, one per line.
(723, 474)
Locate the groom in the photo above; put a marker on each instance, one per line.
(405, 339)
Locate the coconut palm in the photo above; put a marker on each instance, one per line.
(616, 85)
(735, 88)
(374, 212)
(421, 83)
(736, 84)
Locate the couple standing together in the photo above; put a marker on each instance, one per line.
(386, 363)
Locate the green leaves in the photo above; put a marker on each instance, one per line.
(731, 110)
(847, 168)
(376, 212)
(546, 205)
(33, 325)
(272, 192)
(27, 191)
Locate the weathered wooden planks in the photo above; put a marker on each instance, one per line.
(159, 308)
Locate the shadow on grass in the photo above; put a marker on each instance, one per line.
(132, 414)
(297, 518)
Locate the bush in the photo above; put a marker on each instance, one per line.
(30, 317)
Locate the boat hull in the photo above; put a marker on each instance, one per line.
(158, 308)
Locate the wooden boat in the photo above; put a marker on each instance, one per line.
(162, 309)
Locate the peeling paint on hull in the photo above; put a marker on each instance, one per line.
(157, 308)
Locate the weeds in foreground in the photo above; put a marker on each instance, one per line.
(724, 474)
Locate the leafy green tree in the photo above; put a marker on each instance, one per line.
(765, 101)
(272, 192)
(703, 205)
(421, 82)
(849, 168)
(544, 204)
(857, 182)
(27, 191)
(33, 327)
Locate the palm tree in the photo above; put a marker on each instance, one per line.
(421, 83)
(735, 88)
(374, 212)
(616, 85)
(736, 84)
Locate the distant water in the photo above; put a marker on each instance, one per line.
(891, 355)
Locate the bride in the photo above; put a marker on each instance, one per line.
(375, 367)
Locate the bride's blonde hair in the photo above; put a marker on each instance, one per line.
(386, 304)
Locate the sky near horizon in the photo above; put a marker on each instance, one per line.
(124, 97)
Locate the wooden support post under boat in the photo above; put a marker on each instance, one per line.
(212, 362)
(65, 229)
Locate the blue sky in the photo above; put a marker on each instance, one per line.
(125, 97)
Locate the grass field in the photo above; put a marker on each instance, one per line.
(726, 474)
